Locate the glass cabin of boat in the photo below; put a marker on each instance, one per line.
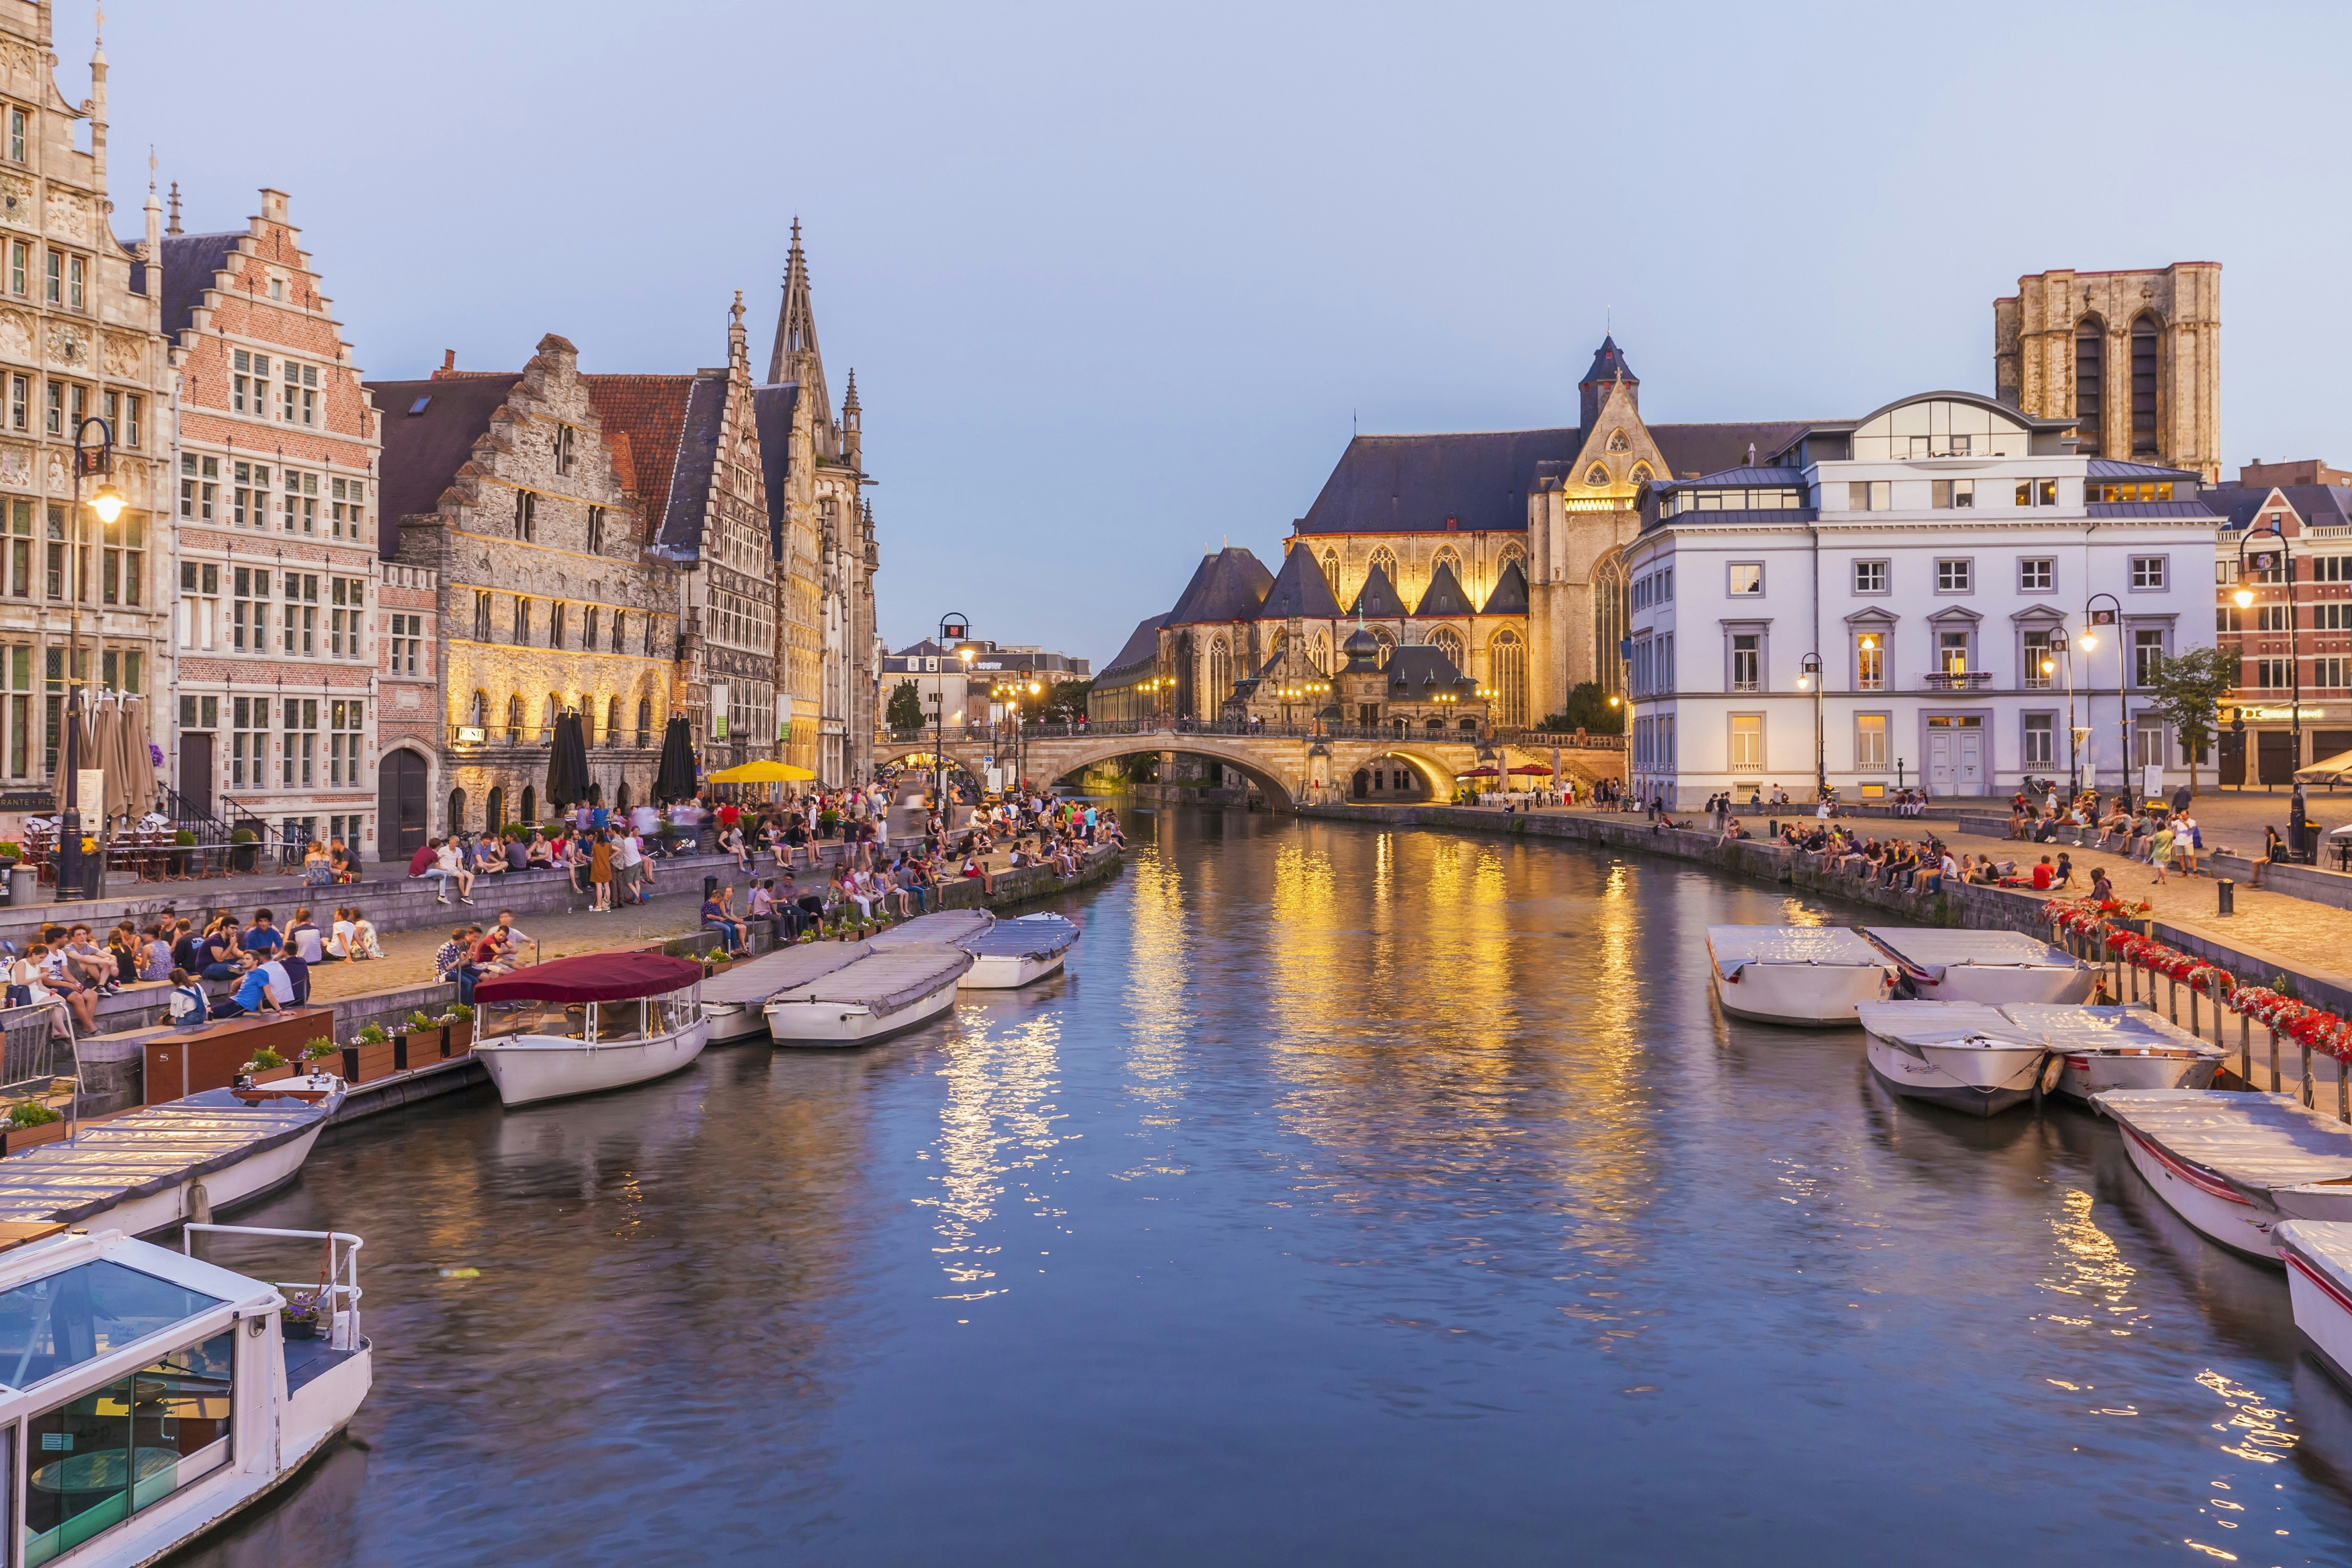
(506, 1022)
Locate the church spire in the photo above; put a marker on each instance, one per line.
(796, 357)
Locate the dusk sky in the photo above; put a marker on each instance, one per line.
(1114, 281)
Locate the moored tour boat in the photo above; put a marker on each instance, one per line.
(2234, 1165)
(1794, 974)
(187, 1159)
(577, 1026)
(880, 994)
(1013, 954)
(735, 1003)
(1963, 1055)
(1949, 964)
(153, 1394)
(943, 928)
(2318, 1259)
(2118, 1048)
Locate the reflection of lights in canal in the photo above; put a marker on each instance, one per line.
(997, 1130)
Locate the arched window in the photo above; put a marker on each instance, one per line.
(1513, 556)
(478, 715)
(1446, 557)
(1331, 569)
(547, 725)
(1613, 611)
(1432, 725)
(1320, 656)
(514, 718)
(494, 810)
(613, 723)
(1640, 474)
(620, 629)
(1617, 442)
(1387, 639)
(456, 811)
(621, 800)
(1448, 641)
(2144, 346)
(529, 805)
(1507, 673)
(1384, 561)
(1220, 682)
(2090, 384)
(1596, 476)
(644, 721)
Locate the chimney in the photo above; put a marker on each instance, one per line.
(448, 359)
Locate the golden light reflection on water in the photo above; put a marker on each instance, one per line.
(2090, 1268)
(2252, 1428)
(997, 1130)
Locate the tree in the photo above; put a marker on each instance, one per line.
(906, 708)
(2188, 693)
(1588, 710)
(1065, 700)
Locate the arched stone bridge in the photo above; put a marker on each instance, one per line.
(1287, 768)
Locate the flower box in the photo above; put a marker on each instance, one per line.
(16, 1139)
(363, 1064)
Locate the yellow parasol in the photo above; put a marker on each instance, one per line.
(761, 773)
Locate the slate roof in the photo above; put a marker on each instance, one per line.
(1377, 598)
(1411, 484)
(2117, 469)
(189, 262)
(1418, 667)
(1510, 595)
(685, 517)
(772, 412)
(1139, 652)
(1609, 364)
(423, 451)
(647, 411)
(2319, 506)
(1742, 479)
(1443, 597)
(1299, 589)
(1230, 586)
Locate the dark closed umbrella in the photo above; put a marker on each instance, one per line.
(567, 764)
(676, 778)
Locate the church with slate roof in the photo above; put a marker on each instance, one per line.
(1502, 552)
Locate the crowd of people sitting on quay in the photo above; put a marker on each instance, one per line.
(2166, 838)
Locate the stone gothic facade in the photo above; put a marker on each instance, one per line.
(2134, 357)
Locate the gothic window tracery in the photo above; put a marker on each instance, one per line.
(1221, 678)
(1331, 569)
(1384, 561)
(2090, 384)
(1617, 442)
(1507, 665)
(1448, 641)
(1641, 475)
(1612, 612)
(1596, 476)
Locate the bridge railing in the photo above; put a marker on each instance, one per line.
(1175, 730)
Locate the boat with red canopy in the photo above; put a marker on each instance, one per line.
(577, 1026)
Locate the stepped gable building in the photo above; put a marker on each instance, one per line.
(2134, 358)
(2294, 642)
(821, 531)
(695, 469)
(281, 638)
(80, 336)
(507, 501)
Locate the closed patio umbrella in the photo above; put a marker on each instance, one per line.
(567, 764)
(138, 762)
(673, 780)
(102, 748)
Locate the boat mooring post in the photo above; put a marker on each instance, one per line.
(2308, 1098)
(2273, 1035)
(2343, 1094)
(2194, 1027)
(2173, 997)
(2246, 1049)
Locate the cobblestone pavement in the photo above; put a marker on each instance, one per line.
(408, 954)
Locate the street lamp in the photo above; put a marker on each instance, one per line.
(107, 502)
(2064, 651)
(2283, 562)
(952, 628)
(2112, 617)
(1809, 679)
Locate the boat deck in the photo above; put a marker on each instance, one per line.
(144, 1151)
(1931, 1022)
(1935, 947)
(1736, 945)
(760, 978)
(1032, 936)
(949, 927)
(2081, 1027)
(887, 980)
(308, 1360)
(2263, 1141)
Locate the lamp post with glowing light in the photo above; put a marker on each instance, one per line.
(2280, 560)
(1809, 679)
(2111, 616)
(2063, 650)
(957, 629)
(88, 458)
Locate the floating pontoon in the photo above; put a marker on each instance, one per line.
(1794, 974)
(2234, 1165)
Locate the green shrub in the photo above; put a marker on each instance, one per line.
(30, 1113)
(11, 850)
(373, 1035)
(462, 1013)
(417, 1023)
(321, 1046)
(244, 836)
(184, 839)
(266, 1059)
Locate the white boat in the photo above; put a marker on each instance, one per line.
(2318, 1259)
(1017, 953)
(945, 928)
(735, 1003)
(188, 1159)
(1963, 1055)
(579, 1025)
(150, 1396)
(2118, 1048)
(1949, 964)
(1794, 974)
(2233, 1164)
(881, 995)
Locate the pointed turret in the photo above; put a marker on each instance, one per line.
(1377, 598)
(796, 358)
(1609, 369)
(1300, 591)
(853, 443)
(98, 110)
(1443, 597)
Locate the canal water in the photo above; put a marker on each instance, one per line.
(1357, 1197)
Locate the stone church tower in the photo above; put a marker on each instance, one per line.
(2135, 357)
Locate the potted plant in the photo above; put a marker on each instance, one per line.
(369, 1056)
(243, 848)
(182, 840)
(11, 852)
(300, 1316)
(318, 1051)
(458, 1023)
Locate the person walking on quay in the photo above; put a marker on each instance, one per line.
(600, 873)
(2186, 842)
(2159, 852)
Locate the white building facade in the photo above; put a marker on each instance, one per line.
(1941, 594)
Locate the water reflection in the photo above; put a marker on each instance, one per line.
(1358, 1196)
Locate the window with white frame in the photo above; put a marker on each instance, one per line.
(249, 495)
(1747, 743)
(1747, 579)
(299, 765)
(343, 724)
(347, 602)
(2040, 661)
(248, 742)
(301, 509)
(1955, 575)
(1870, 661)
(2037, 745)
(300, 626)
(1870, 742)
(1870, 576)
(347, 499)
(248, 383)
(2272, 674)
(249, 613)
(2037, 492)
(1945, 494)
(2148, 574)
(1748, 662)
(2147, 743)
(297, 394)
(199, 604)
(199, 487)
(1870, 495)
(2148, 655)
(2037, 573)
(2329, 672)
(407, 642)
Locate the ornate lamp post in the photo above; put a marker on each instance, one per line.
(2281, 561)
(89, 458)
(2064, 651)
(2112, 617)
(1809, 679)
(955, 628)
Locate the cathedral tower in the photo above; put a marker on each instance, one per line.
(2135, 357)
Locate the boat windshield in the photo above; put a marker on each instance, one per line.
(643, 1018)
(85, 1313)
(558, 1019)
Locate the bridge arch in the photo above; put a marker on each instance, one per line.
(1065, 757)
